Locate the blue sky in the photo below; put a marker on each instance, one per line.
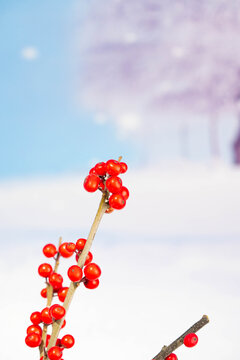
(42, 130)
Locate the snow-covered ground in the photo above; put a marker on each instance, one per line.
(169, 257)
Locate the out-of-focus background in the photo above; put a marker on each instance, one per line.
(158, 83)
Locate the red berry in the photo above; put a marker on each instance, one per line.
(44, 293)
(49, 250)
(80, 244)
(190, 340)
(64, 252)
(124, 192)
(172, 356)
(117, 201)
(56, 281)
(100, 168)
(63, 324)
(34, 329)
(75, 273)
(71, 247)
(55, 353)
(45, 270)
(101, 186)
(114, 184)
(33, 340)
(47, 339)
(67, 341)
(36, 318)
(113, 167)
(124, 167)
(91, 183)
(62, 293)
(109, 210)
(91, 284)
(45, 316)
(92, 271)
(92, 171)
(57, 311)
(88, 259)
(58, 343)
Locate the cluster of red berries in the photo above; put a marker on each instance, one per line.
(190, 340)
(90, 278)
(104, 176)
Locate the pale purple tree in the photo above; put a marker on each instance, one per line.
(145, 61)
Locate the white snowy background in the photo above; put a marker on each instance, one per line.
(169, 257)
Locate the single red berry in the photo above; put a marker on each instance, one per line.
(117, 201)
(64, 252)
(58, 343)
(49, 250)
(101, 186)
(36, 318)
(34, 329)
(92, 271)
(63, 324)
(114, 184)
(71, 247)
(92, 171)
(172, 356)
(109, 210)
(33, 340)
(56, 280)
(113, 167)
(124, 167)
(190, 340)
(44, 293)
(41, 358)
(55, 353)
(124, 192)
(91, 284)
(57, 311)
(91, 183)
(75, 273)
(45, 270)
(46, 317)
(80, 244)
(67, 341)
(100, 168)
(88, 259)
(62, 293)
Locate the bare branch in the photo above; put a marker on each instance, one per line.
(167, 350)
(81, 261)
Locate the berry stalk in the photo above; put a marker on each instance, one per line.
(167, 350)
(103, 206)
(49, 302)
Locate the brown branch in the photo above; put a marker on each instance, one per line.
(167, 350)
(82, 258)
(49, 301)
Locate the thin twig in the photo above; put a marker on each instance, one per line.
(82, 258)
(167, 350)
(49, 301)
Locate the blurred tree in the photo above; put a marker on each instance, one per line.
(155, 58)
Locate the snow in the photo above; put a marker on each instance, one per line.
(169, 257)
